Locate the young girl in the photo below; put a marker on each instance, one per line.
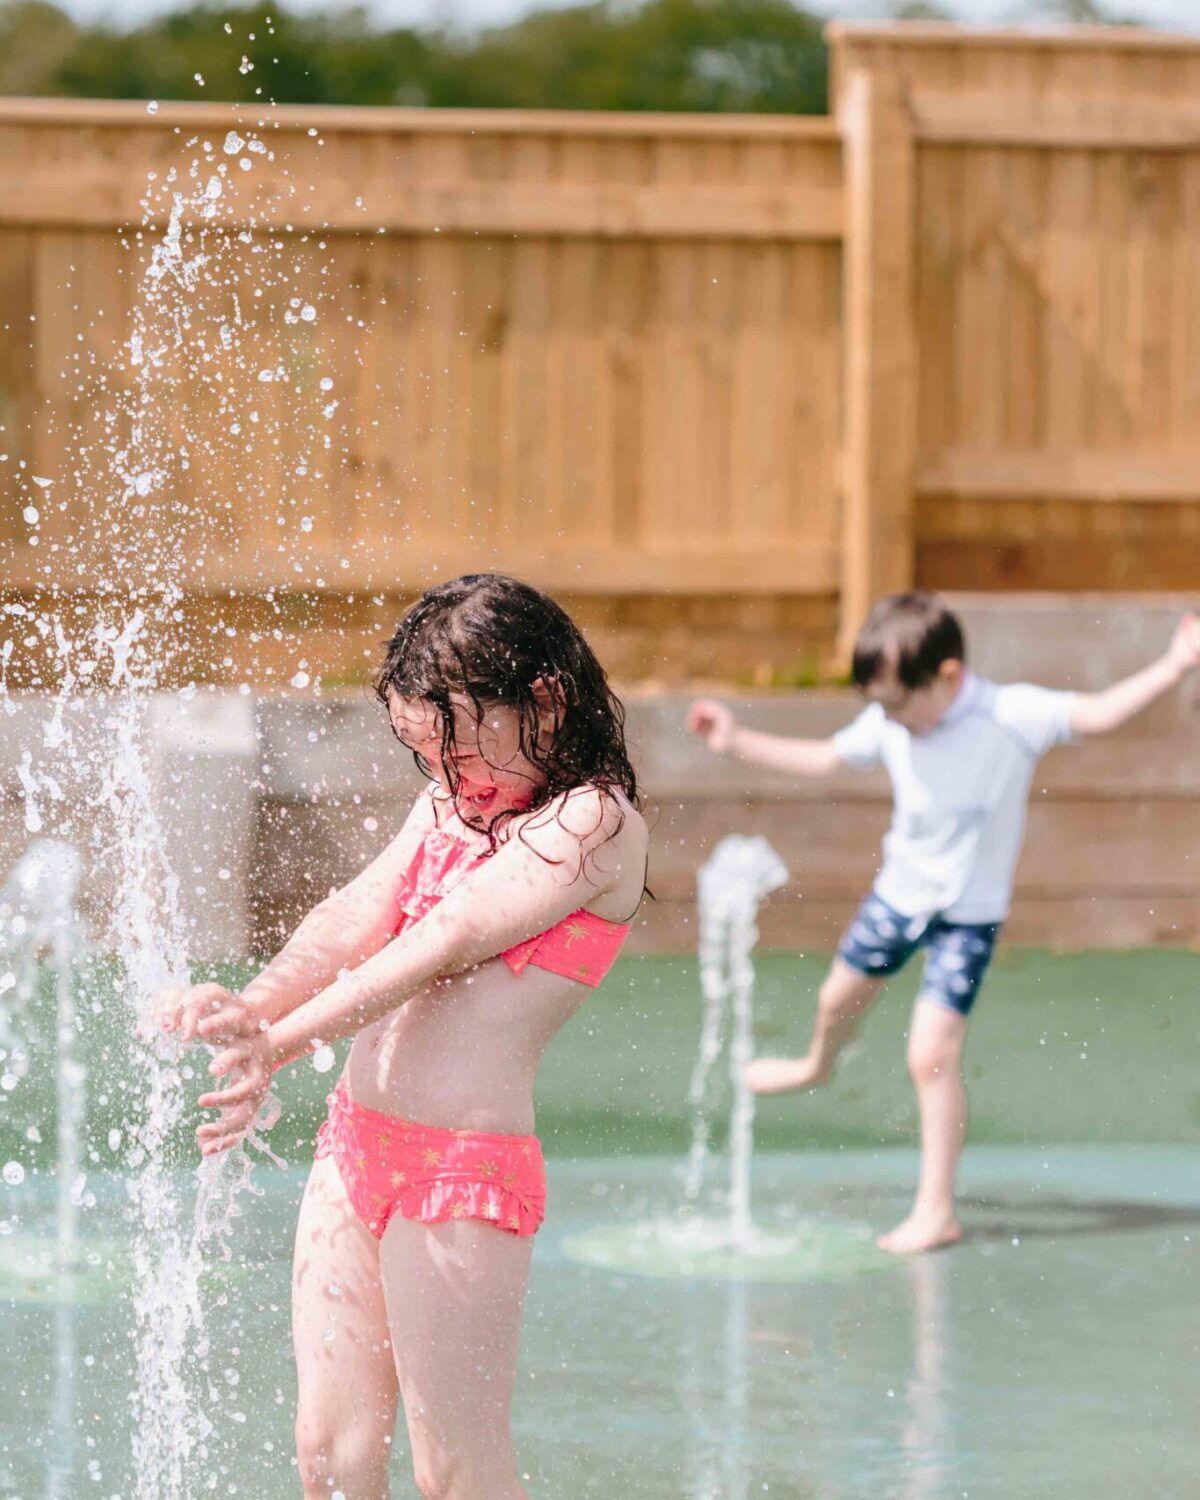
(452, 960)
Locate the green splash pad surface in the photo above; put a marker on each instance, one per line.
(695, 1248)
(30, 1271)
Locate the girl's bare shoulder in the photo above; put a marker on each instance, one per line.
(591, 817)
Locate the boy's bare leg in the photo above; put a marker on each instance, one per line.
(843, 998)
(935, 1047)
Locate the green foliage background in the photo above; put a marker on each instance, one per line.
(744, 55)
(698, 55)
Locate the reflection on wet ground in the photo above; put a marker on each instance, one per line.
(1052, 1354)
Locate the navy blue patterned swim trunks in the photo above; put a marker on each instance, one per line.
(880, 941)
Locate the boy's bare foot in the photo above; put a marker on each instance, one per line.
(779, 1075)
(924, 1229)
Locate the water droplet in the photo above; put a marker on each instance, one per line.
(14, 1173)
(223, 874)
(245, 66)
(324, 1058)
(114, 1140)
(326, 383)
(199, 77)
(8, 1082)
(42, 484)
(233, 143)
(152, 107)
(306, 523)
(7, 981)
(308, 313)
(31, 515)
(266, 376)
(301, 680)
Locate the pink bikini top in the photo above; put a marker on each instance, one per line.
(582, 946)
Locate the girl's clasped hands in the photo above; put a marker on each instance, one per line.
(212, 1014)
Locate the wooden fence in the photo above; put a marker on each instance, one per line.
(718, 380)
(1032, 237)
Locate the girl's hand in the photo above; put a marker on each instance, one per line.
(1184, 650)
(163, 1012)
(250, 1060)
(713, 723)
(208, 1011)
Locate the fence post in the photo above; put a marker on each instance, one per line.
(880, 365)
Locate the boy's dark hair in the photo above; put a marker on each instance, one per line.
(917, 630)
(491, 637)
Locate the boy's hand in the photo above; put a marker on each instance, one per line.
(713, 723)
(250, 1060)
(208, 1011)
(1184, 651)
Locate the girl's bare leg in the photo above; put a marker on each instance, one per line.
(454, 1295)
(843, 998)
(935, 1048)
(348, 1388)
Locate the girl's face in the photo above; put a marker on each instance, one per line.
(483, 765)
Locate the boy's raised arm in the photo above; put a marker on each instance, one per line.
(1098, 713)
(718, 728)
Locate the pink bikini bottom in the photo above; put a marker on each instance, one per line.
(421, 1172)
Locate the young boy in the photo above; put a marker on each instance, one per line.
(960, 753)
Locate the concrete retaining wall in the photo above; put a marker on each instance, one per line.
(292, 797)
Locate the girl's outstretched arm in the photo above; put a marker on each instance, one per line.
(562, 858)
(339, 933)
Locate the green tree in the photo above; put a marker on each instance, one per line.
(1080, 13)
(243, 54)
(659, 55)
(35, 40)
(921, 10)
(753, 55)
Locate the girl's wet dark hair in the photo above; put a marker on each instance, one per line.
(917, 630)
(490, 638)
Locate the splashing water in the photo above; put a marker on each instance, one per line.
(40, 923)
(191, 354)
(741, 873)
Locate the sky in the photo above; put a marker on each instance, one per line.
(1177, 15)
